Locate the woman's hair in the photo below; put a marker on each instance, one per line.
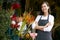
(47, 5)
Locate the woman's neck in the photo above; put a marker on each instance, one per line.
(46, 14)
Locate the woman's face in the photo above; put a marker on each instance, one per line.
(44, 7)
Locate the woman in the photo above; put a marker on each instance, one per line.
(44, 23)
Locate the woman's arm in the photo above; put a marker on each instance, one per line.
(41, 27)
(48, 26)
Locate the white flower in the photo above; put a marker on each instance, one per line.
(20, 23)
(13, 22)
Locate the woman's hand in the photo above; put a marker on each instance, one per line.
(39, 27)
(47, 24)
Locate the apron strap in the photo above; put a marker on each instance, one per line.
(40, 17)
(48, 18)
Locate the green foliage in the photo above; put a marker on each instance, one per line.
(4, 23)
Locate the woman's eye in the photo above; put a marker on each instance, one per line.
(44, 6)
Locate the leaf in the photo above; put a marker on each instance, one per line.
(23, 26)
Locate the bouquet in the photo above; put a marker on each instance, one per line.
(20, 23)
(28, 19)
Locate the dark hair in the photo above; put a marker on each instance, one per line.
(47, 5)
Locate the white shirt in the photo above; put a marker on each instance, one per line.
(51, 20)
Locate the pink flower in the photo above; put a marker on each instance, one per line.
(33, 35)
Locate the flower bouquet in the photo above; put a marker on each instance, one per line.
(28, 19)
(22, 25)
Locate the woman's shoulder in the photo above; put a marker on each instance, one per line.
(51, 16)
(39, 15)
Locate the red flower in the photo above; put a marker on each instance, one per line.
(16, 6)
(12, 25)
(13, 17)
(15, 25)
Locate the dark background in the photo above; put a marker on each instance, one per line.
(31, 4)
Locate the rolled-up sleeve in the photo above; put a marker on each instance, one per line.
(36, 20)
(51, 20)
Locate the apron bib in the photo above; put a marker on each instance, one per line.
(43, 35)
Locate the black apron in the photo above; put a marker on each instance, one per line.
(43, 35)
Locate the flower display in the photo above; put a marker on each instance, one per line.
(20, 23)
(27, 19)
